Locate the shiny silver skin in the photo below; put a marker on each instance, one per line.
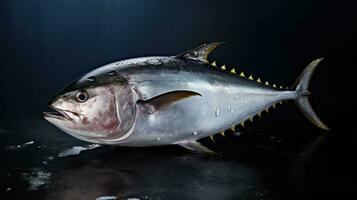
(225, 100)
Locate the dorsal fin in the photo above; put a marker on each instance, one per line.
(200, 53)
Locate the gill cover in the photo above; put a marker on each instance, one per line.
(126, 112)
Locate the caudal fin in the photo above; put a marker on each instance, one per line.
(301, 85)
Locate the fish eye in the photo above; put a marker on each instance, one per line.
(82, 96)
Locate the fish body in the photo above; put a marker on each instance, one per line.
(162, 100)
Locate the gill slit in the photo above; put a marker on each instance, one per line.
(128, 133)
(117, 110)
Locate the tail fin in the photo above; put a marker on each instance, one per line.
(301, 85)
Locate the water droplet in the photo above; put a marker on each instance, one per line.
(154, 62)
(195, 114)
(112, 73)
(195, 133)
(216, 112)
(230, 109)
(91, 78)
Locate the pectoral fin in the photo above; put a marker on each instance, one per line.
(196, 146)
(166, 99)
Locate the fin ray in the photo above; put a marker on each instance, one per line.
(196, 146)
(165, 99)
(200, 53)
(302, 100)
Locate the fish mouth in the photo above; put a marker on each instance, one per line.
(57, 114)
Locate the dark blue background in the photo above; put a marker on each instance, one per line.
(46, 44)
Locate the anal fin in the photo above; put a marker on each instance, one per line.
(196, 146)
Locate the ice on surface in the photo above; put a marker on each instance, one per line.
(49, 158)
(237, 133)
(107, 198)
(20, 146)
(28, 143)
(114, 198)
(36, 178)
(77, 150)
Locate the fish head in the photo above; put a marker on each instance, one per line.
(99, 110)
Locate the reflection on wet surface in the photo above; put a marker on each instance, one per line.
(146, 176)
(40, 162)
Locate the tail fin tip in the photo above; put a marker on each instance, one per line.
(302, 101)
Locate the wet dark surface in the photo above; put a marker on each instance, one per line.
(46, 44)
(254, 165)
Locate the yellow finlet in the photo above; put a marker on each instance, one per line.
(267, 110)
(259, 114)
(214, 64)
(242, 123)
(251, 118)
(233, 128)
(222, 133)
(281, 87)
(274, 105)
(274, 85)
(251, 77)
(267, 83)
(242, 74)
(258, 80)
(223, 67)
(281, 102)
(233, 71)
(211, 137)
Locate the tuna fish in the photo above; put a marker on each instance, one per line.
(165, 100)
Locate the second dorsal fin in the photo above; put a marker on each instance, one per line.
(200, 53)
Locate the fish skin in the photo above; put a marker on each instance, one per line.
(218, 90)
(224, 99)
